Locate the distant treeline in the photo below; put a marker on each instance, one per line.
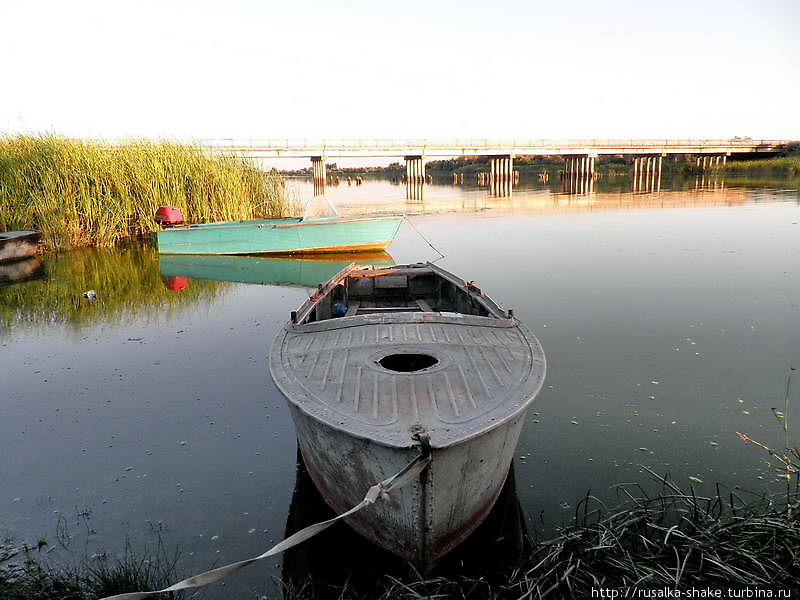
(787, 163)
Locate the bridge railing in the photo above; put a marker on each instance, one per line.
(421, 144)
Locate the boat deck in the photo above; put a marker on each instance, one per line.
(395, 363)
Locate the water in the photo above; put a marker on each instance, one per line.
(670, 321)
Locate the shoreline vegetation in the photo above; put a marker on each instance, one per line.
(671, 540)
(81, 193)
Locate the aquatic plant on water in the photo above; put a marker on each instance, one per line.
(82, 193)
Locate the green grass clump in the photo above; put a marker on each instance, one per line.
(82, 193)
(24, 575)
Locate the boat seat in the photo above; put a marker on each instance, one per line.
(387, 309)
(424, 306)
(352, 309)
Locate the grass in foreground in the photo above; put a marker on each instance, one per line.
(673, 540)
(88, 194)
(24, 576)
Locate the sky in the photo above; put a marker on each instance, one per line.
(415, 69)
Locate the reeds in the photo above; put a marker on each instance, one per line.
(91, 194)
(785, 166)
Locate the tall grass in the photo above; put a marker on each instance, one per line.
(89, 194)
(788, 166)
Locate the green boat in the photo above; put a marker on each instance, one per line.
(282, 236)
(267, 270)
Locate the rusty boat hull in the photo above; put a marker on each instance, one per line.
(372, 388)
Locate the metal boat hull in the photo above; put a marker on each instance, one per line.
(382, 364)
(281, 236)
(425, 520)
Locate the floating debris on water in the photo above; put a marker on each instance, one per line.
(694, 479)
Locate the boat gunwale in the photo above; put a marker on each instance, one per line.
(302, 313)
(275, 223)
(21, 234)
(399, 318)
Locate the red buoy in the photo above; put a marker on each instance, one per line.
(169, 216)
(177, 283)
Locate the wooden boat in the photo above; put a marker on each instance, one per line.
(15, 245)
(302, 271)
(281, 236)
(420, 362)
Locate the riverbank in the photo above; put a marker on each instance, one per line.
(86, 194)
(673, 540)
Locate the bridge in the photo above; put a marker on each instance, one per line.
(299, 148)
(579, 155)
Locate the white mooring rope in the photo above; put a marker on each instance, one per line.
(379, 491)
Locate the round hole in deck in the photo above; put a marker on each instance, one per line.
(407, 363)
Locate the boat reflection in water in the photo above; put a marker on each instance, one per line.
(20, 271)
(264, 270)
(339, 556)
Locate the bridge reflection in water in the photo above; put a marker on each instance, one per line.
(339, 557)
(577, 178)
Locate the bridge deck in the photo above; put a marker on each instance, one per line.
(483, 147)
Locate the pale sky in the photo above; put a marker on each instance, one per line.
(412, 69)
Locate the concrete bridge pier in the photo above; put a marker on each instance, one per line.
(318, 174)
(579, 166)
(415, 169)
(647, 173)
(579, 174)
(502, 167)
(501, 174)
(415, 177)
(711, 161)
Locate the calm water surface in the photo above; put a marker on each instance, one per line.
(670, 321)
